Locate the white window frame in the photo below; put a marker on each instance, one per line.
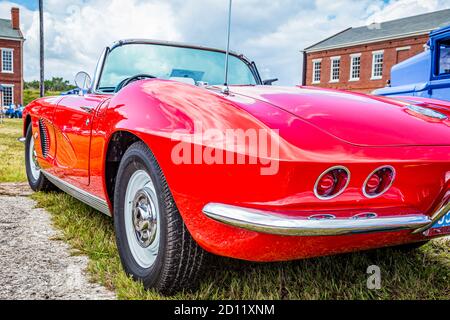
(374, 55)
(332, 60)
(12, 60)
(3, 94)
(315, 62)
(352, 56)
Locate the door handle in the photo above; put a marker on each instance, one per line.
(88, 109)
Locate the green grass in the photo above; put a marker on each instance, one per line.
(12, 163)
(31, 94)
(421, 274)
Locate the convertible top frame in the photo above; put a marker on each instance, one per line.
(119, 43)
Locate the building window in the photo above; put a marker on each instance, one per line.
(377, 65)
(7, 94)
(335, 67)
(7, 60)
(317, 68)
(355, 66)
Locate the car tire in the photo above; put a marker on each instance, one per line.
(36, 179)
(154, 244)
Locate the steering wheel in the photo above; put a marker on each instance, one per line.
(129, 80)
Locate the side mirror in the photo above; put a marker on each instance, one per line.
(269, 82)
(83, 81)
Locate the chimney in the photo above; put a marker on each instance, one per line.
(15, 19)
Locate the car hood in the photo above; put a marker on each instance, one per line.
(358, 118)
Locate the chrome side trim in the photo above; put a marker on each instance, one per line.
(91, 200)
(275, 223)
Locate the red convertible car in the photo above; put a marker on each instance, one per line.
(186, 165)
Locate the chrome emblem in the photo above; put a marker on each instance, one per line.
(427, 112)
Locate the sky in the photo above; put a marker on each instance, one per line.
(270, 32)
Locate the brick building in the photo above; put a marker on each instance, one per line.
(360, 59)
(11, 59)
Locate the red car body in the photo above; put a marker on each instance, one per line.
(318, 129)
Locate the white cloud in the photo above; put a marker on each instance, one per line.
(76, 34)
(271, 32)
(406, 8)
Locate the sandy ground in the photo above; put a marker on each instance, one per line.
(33, 265)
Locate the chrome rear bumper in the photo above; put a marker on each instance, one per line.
(442, 210)
(279, 224)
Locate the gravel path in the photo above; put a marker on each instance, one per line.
(32, 264)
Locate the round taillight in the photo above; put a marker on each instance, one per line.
(332, 183)
(373, 183)
(379, 181)
(326, 184)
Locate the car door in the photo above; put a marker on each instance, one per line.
(73, 122)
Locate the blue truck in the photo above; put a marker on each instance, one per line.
(425, 75)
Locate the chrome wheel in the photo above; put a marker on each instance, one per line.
(142, 222)
(34, 165)
(153, 242)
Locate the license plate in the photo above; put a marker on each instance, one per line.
(442, 226)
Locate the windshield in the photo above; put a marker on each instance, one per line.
(170, 62)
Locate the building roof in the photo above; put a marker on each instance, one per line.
(410, 26)
(6, 30)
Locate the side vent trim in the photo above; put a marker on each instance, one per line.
(45, 142)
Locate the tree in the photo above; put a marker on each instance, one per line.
(31, 85)
(55, 84)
